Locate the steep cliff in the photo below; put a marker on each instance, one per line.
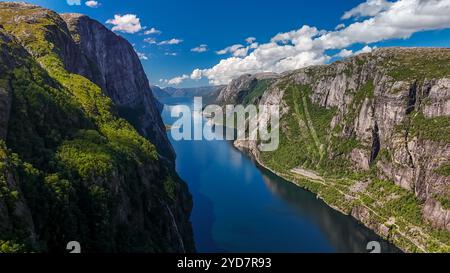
(5, 96)
(70, 167)
(115, 67)
(243, 88)
(376, 129)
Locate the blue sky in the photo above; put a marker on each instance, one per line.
(219, 24)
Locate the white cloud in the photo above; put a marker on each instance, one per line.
(128, 23)
(369, 8)
(250, 40)
(142, 56)
(74, 2)
(200, 49)
(401, 20)
(152, 31)
(151, 41)
(196, 74)
(178, 80)
(171, 42)
(366, 49)
(340, 26)
(230, 49)
(344, 53)
(92, 4)
(173, 54)
(237, 50)
(308, 45)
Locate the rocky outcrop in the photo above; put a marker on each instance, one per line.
(436, 214)
(438, 96)
(390, 112)
(240, 87)
(116, 68)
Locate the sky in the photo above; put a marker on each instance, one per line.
(188, 43)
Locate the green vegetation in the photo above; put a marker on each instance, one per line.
(256, 92)
(307, 127)
(72, 156)
(444, 200)
(412, 65)
(444, 170)
(11, 247)
(304, 128)
(386, 204)
(435, 129)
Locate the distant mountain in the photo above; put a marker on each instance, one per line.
(159, 93)
(209, 93)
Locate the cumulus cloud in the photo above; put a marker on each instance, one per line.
(345, 53)
(369, 8)
(308, 45)
(128, 23)
(237, 50)
(171, 42)
(366, 49)
(196, 74)
(152, 31)
(178, 80)
(200, 49)
(92, 4)
(173, 54)
(74, 2)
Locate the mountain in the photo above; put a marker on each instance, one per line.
(159, 92)
(118, 68)
(370, 135)
(245, 88)
(208, 93)
(83, 152)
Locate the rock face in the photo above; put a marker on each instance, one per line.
(70, 167)
(5, 106)
(5, 99)
(160, 93)
(240, 87)
(386, 111)
(114, 66)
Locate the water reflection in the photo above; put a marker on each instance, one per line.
(345, 233)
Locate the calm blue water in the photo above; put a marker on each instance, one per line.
(239, 207)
